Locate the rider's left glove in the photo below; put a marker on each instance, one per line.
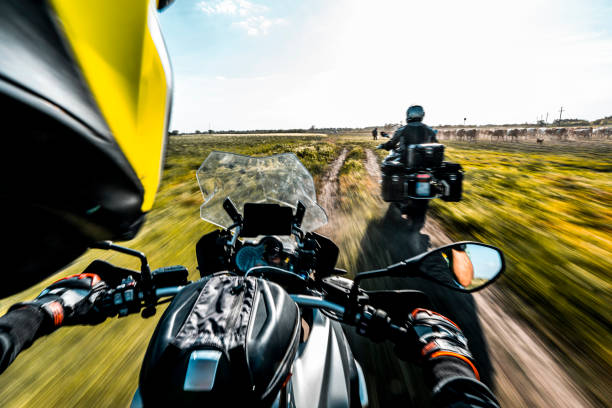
(69, 301)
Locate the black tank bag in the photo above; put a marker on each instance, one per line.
(228, 340)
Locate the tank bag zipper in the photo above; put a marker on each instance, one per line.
(236, 304)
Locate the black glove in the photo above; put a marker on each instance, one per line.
(380, 146)
(438, 337)
(69, 301)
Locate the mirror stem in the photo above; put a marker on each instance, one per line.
(397, 269)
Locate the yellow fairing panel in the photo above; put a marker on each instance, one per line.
(121, 54)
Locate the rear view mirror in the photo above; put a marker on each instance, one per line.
(466, 267)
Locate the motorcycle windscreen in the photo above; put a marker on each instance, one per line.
(280, 179)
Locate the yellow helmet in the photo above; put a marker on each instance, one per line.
(85, 96)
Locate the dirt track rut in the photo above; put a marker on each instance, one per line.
(328, 193)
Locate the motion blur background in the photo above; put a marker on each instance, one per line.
(543, 330)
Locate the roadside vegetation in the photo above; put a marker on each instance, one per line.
(548, 208)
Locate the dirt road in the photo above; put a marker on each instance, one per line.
(510, 357)
(328, 192)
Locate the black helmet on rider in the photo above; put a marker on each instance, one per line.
(85, 88)
(415, 113)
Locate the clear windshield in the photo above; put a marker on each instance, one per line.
(280, 179)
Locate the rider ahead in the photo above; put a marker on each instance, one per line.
(93, 121)
(415, 132)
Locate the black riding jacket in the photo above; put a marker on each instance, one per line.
(452, 380)
(412, 133)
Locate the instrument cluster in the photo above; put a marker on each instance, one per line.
(268, 252)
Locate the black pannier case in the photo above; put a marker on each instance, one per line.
(224, 341)
(393, 182)
(424, 156)
(452, 174)
(400, 184)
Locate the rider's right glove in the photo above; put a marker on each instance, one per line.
(440, 339)
(69, 300)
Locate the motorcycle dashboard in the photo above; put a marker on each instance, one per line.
(266, 219)
(248, 257)
(267, 252)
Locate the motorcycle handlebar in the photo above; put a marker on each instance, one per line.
(169, 291)
(313, 301)
(128, 299)
(374, 325)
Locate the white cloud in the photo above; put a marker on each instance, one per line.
(252, 15)
(230, 7)
(258, 25)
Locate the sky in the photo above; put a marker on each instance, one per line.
(279, 64)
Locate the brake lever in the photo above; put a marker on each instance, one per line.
(111, 274)
(376, 324)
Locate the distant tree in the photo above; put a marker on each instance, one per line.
(198, 132)
(174, 132)
(603, 121)
(210, 131)
(312, 127)
(571, 122)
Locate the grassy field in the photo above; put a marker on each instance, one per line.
(547, 207)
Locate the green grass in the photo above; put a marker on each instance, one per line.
(548, 208)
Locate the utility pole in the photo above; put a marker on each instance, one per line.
(560, 113)
(546, 121)
(464, 119)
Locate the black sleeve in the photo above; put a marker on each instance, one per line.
(394, 140)
(432, 135)
(455, 386)
(18, 329)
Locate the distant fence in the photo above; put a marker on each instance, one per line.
(541, 134)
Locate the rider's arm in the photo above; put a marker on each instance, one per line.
(455, 385)
(394, 140)
(462, 267)
(448, 364)
(68, 301)
(18, 329)
(432, 135)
